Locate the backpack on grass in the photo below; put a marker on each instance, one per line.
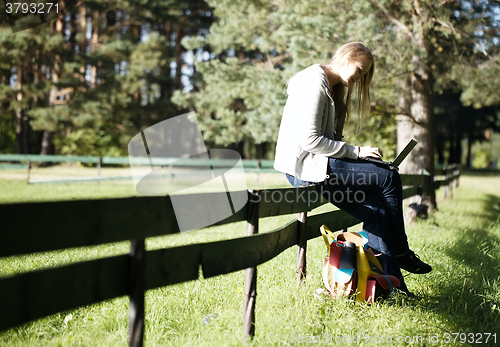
(352, 268)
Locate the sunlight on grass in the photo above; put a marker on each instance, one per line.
(461, 295)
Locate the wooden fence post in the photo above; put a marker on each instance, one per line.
(136, 310)
(251, 273)
(446, 183)
(170, 175)
(457, 175)
(29, 167)
(302, 247)
(99, 163)
(450, 181)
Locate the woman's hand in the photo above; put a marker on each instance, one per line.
(370, 152)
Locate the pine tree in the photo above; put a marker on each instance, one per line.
(91, 80)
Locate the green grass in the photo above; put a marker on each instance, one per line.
(461, 295)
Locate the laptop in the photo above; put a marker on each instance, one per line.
(399, 159)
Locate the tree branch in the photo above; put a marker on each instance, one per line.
(444, 2)
(452, 28)
(403, 27)
(398, 112)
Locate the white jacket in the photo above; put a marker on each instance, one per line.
(305, 139)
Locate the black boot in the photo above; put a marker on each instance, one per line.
(412, 263)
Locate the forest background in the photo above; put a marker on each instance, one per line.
(87, 82)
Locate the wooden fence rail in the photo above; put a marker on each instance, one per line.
(37, 158)
(12, 161)
(49, 226)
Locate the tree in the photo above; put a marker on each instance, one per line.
(259, 45)
(89, 81)
(442, 35)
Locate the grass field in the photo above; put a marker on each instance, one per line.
(458, 302)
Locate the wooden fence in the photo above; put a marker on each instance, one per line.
(14, 161)
(58, 225)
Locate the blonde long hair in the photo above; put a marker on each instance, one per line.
(344, 55)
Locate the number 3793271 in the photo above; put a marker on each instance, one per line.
(470, 338)
(23, 7)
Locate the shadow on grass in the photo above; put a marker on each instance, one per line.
(469, 288)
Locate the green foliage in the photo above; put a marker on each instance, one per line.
(90, 142)
(7, 133)
(481, 159)
(486, 154)
(129, 70)
(379, 130)
(260, 45)
(108, 72)
(481, 85)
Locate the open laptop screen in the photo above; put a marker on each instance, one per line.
(404, 153)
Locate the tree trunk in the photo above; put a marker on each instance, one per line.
(26, 133)
(451, 148)
(178, 57)
(457, 150)
(404, 120)
(440, 148)
(47, 146)
(406, 123)
(82, 39)
(19, 110)
(72, 27)
(423, 114)
(32, 78)
(93, 45)
(469, 150)
(82, 29)
(19, 130)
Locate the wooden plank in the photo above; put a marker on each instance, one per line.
(277, 202)
(13, 157)
(335, 220)
(46, 226)
(78, 179)
(239, 216)
(49, 158)
(67, 224)
(172, 265)
(122, 161)
(250, 163)
(412, 180)
(13, 166)
(37, 294)
(266, 164)
(223, 257)
(411, 191)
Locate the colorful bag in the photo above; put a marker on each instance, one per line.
(353, 268)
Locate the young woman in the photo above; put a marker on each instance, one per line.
(310, 150)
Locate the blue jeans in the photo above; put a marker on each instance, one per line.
(294, 181)
(373, 194)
